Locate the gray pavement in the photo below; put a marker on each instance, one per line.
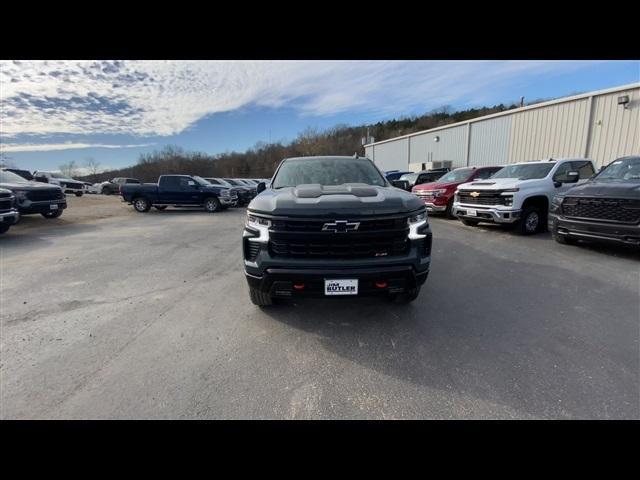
(148, 316)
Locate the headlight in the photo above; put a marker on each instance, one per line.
(20, 195)
(261, 225)
(557, 200)
(511, 190)
(254, 221)
(416, 222)
(437, 193)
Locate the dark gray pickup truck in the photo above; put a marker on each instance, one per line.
(177, 191)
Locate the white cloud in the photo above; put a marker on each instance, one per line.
(45, 147)
(147, 98)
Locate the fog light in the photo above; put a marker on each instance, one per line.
(298, 286)
(381, 284)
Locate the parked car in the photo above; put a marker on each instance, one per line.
(112, 187)
(178, 191)
(68, 185)
(395, 174)
(26, 174)
(334, 226)
(34, 197)
(238, 194)
(91, 187)
(251, 192)
(606, 208)
(8, 213)
(425, 176)
(520, 193)
(438, 196)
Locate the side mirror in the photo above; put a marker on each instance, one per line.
(403, 184)
(261, 187)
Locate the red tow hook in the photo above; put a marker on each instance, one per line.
(381, 284)
(298, 286)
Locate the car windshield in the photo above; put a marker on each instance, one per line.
(200, 180)
(524, 171)
(327, 171)
(409, 177)
(10, 177)
(621, 170)
(459, 175)
(223, 182)
(58, 175)
(232, 182)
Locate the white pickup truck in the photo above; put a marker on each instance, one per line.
(520, 193)
(68, 185)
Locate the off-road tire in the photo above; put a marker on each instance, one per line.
(259, 298)
(52, 214)
(211, 205)
(531, 221)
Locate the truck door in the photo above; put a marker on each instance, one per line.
(170, 190)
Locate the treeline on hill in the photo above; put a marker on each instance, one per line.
(261, 160)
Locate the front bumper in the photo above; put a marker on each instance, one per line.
(11, 217)
(486, 214)
(28, 207)
(279, 282)
(228, 201)
(433, 208)
(596, 231)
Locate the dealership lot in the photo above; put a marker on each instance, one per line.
(111, 314)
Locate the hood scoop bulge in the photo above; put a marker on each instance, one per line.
(317, 190)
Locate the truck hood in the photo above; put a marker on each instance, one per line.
(496, 184)
(436, 185)
(29, 186)
(349, 199)
(606, 189)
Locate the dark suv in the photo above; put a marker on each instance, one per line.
(606, 208)
(34, 197)
(334, 226)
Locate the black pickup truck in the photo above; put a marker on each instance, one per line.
(334, 226)
(178, 191)
(606, 208)
(34, 197)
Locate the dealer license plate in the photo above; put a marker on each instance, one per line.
(53, 206)
(472, 213)
(341, 287)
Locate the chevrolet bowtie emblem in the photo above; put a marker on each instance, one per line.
(340, 226)
(474, 194)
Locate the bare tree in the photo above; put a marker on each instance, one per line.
(92, 165)
(69, 169)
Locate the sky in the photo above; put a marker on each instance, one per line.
(53, 112)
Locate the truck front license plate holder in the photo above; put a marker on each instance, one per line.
(341, 286)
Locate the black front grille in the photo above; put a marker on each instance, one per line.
(6, 204)
(307, 239)
(42, 195)
(480, 197)
(603, 209)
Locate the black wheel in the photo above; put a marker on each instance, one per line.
(4, 227)
(448, 213)
(531, 221)
(141, 204)
(53, 214)
(212, 204)
(79, 194)
(160, 207)
(470, 223)
(259, 298)
(407, 297)
(106, 191)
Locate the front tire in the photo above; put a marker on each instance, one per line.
(106, 191)
(4, 227)
(531, 221)
(79, 194)
(259, 298)
(212, 204)
(141, 205)
(52, 214)
(448, 213)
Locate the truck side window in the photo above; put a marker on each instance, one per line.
(561, 172)
(585, 168)
(170, 182)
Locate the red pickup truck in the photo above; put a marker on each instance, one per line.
(438, 196)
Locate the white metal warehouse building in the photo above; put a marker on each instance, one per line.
(601, 125)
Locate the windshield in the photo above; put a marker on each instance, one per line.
(327, 171)
(222, 182)
(524, 171)
(459, 175)
(58, 175)
(621, 170)
(10, 177)
(200, 180)
(232, 182)
(409, 177)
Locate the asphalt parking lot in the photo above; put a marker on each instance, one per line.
(107, 313)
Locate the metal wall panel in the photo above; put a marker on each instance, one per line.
(452, 146)
(392, 155)
(490, 141)
(615, 131)
(556, 131)
(369, 152)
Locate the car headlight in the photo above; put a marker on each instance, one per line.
(441, 191)
(415, 223)
(557, 200)
(259, 224)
